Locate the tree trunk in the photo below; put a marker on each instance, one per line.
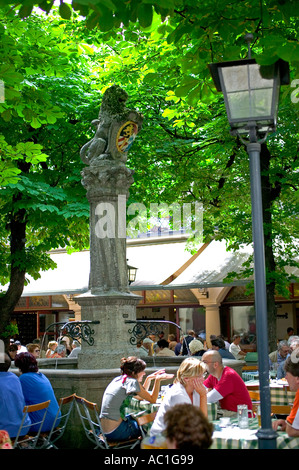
(17, 271)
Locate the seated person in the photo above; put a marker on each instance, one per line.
(235, 348)
(115, 424)
(294, 344)
(52, 345)
(76, 348)
(218, 344)
(172, 341)
(12, 351)
(187, 428)
(187, 388)
(187, 339)
(280, 355)
(163, 349)
(179, 347)
(34, 349)
(225, 385)
(196, 348)
(291, 424)
(12, 400)
(36, 389)
(59, 352)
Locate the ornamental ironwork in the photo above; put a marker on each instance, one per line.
(144, 328)
(77, 330)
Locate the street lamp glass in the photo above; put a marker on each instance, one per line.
(131, 273)
(251, 93)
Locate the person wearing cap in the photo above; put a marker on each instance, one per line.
(21, 348)
(196, 348)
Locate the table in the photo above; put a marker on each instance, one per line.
(254, 375)
(280, 393)
(233, 437)
(135, 406)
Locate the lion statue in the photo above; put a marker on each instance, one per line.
(112, 116)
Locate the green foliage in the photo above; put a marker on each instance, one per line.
(10, 331)
(43, 123)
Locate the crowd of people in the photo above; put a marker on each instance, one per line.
(190, 344)
(63, 347)
(201, 378)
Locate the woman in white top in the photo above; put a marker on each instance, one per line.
(187, 388)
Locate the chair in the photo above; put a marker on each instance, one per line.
(248, 368)
(255, 399)
(89, 415)
(31, 440)
(65, 407)
(281, 409)
(254, 395)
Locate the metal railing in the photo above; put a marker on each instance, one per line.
(77, 330)
(143, 328)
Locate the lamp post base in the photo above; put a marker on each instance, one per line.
(267, 438)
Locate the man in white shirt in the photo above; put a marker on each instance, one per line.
(235, 349)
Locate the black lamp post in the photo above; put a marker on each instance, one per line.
(251, 95)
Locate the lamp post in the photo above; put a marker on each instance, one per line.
(251, 95)
(131, 273)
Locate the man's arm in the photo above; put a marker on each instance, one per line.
(292, 432)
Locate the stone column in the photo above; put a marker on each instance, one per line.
(107, 180)
(212, 321)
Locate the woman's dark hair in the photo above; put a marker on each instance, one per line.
(218, 342)
(131, 366)
(26, 362)
(162, 343)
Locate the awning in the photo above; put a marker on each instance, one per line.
(70, 277)
(213, 265)
(156, 260)
(209, 269)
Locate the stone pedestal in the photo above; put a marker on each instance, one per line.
(111, 337)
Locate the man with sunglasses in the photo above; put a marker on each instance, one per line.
(224, 385)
